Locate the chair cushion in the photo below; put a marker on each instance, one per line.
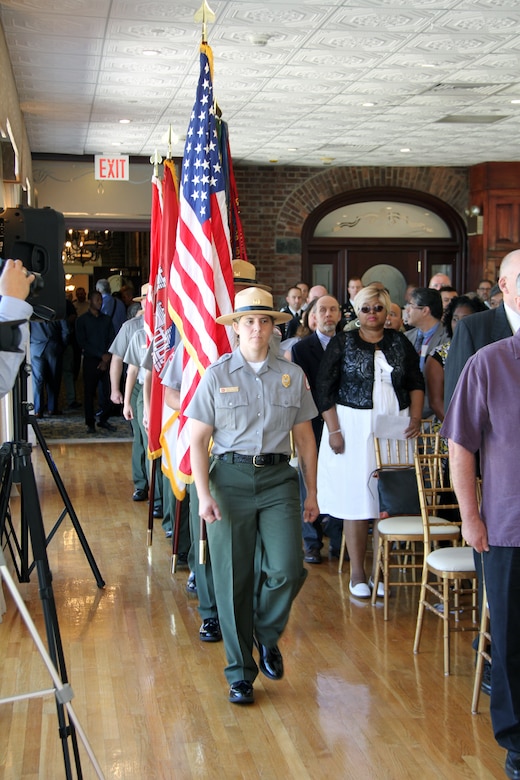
(452, 559)
(412, 525)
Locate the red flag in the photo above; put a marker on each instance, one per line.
(155, 251)
(162, 323)
(201, 276)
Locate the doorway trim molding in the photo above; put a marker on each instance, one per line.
(445, 211)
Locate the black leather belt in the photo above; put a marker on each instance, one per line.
(264, 459)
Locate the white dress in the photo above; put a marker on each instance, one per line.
(346, 488)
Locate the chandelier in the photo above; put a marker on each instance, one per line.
(86, 246)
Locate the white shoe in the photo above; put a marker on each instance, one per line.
(380, 588)
(361, 590)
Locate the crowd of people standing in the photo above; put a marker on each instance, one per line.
(310, 381)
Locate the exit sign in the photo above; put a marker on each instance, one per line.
(111, 168)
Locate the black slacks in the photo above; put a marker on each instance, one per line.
(502, 576)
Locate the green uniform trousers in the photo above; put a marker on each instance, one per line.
(139, 456)
(203, 573)
(255, 503)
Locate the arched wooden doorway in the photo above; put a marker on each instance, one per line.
(415, 258)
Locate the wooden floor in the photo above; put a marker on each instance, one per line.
(152, 699)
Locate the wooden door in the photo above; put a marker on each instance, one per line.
(394, 265)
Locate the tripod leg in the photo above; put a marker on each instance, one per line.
(63, 692)
(67, 502)
(31, 508)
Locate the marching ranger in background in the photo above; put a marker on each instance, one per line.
(248, 402)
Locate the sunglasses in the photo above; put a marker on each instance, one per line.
(377, 309)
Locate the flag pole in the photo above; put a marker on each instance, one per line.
(156, 160)
(176, 534)
(202, 542)
(151, 496)
(169, 157)
(204, 15)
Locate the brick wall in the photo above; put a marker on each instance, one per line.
(275, 202)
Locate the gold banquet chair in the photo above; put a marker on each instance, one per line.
(446, 569)
(400, 537)
(401, 459)
(483, 651)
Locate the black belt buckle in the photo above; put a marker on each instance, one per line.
(262, 460)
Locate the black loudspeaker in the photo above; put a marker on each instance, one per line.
(36, 237)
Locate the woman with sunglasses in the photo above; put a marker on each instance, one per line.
(364, 373)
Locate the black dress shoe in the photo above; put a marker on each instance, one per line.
(106, 425)
(513, 765)
(271, 661)
(157, 511)
(241, 692)
(312, 556)
(91, 429)
(140, 495)
(191, 584)
(210, 630)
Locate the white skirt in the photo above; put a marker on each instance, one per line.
(346, 487)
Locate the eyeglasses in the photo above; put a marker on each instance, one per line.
(377, 309)
(414, 306)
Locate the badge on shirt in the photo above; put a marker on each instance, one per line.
(286, 380)
(229, 389)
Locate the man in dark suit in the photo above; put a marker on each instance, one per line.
(424, 314)
(308, 353)
(479, 330)
(294, 308)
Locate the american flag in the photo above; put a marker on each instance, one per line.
(201, 276)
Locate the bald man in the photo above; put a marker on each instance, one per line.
(439, 280)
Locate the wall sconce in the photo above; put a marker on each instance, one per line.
(475, 221)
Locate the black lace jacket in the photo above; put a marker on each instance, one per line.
(346, 374)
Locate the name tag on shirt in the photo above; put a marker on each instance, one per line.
(424, 350)
(229, 389)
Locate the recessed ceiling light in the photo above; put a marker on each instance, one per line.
(150, 52)
(367, 105)
(405, 149)
(292, 148)
(116, 143)
(516, 100)
(259, 39)
(427, 65)
(124, 121)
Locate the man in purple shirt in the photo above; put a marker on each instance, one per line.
(484, 417)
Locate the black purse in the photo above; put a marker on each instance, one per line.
(398, 491)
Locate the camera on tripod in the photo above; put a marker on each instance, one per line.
(36, 237)
(37, 283)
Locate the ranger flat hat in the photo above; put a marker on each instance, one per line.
(254, 301)
(144, 292)
(244, 275)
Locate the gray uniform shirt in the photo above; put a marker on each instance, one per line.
(136, 351)
(171, 375)
(252, 413)
(124, 336)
